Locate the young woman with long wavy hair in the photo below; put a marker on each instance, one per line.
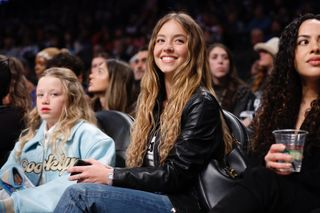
(177, 131)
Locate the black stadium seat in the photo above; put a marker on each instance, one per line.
(238, 130)
(117, 125)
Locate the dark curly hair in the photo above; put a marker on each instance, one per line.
(282, 96)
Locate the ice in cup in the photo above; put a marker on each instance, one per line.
(294, 140)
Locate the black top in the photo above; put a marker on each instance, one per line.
(240, 100)
(199, 141)
(11, 124)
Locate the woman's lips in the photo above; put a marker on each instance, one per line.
(314, 61)
(45, 109)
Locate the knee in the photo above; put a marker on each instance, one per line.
(75, 190)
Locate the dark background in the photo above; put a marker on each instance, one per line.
(121, 27)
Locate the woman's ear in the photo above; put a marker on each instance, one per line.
(6, 100)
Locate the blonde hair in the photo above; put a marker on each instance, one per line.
(190, 75)
(76, 108)
(49, 52)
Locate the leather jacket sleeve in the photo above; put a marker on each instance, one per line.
(199, 141)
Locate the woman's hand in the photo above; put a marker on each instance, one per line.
(94, 173)
(278, 161)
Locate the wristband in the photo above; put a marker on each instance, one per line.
(110, 177)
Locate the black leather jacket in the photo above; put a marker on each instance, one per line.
(200, 140)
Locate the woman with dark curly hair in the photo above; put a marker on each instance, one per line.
(291, 101)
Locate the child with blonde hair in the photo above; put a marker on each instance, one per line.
(61, 129)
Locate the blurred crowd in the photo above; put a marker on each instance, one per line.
(122, 27)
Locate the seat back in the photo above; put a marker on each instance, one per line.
(237, 129)
(117, 125)
(218, 178)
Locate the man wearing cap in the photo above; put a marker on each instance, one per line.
(262, 68)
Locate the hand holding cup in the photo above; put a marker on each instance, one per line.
(279, 161)
(293, 141)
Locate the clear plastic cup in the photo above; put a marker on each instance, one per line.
(294, 140)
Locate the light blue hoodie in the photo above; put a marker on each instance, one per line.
(85, 141)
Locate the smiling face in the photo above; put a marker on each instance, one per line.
(99, 79)
(51, 99)
(307, 55)
(219, 63)
(171, 48)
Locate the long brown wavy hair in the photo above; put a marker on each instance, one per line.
(77, 108)
(120, 94)
(231, 81)
(189, 76)
(19, 96)
(282, 97)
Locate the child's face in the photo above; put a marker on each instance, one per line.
(51, 99)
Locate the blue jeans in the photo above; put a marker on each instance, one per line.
(91, 197)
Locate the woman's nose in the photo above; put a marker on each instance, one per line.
(315, 46)
(91, 75)
(169, 48)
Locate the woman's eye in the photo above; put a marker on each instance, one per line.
(100, 71)
(54, 94)
(303, 42)
(159, 40)
(39, 95)
(214, 57)
(180, 41)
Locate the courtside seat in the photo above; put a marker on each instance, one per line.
(238, 130)
(117, 125)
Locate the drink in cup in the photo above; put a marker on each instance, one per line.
(294, 140)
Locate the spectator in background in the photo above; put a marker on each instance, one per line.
(67, 60)
(138, 64)
(112, 87)
(15, 103)
(43, 57)
(263, 67)
(256, 36)
(233, 94)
